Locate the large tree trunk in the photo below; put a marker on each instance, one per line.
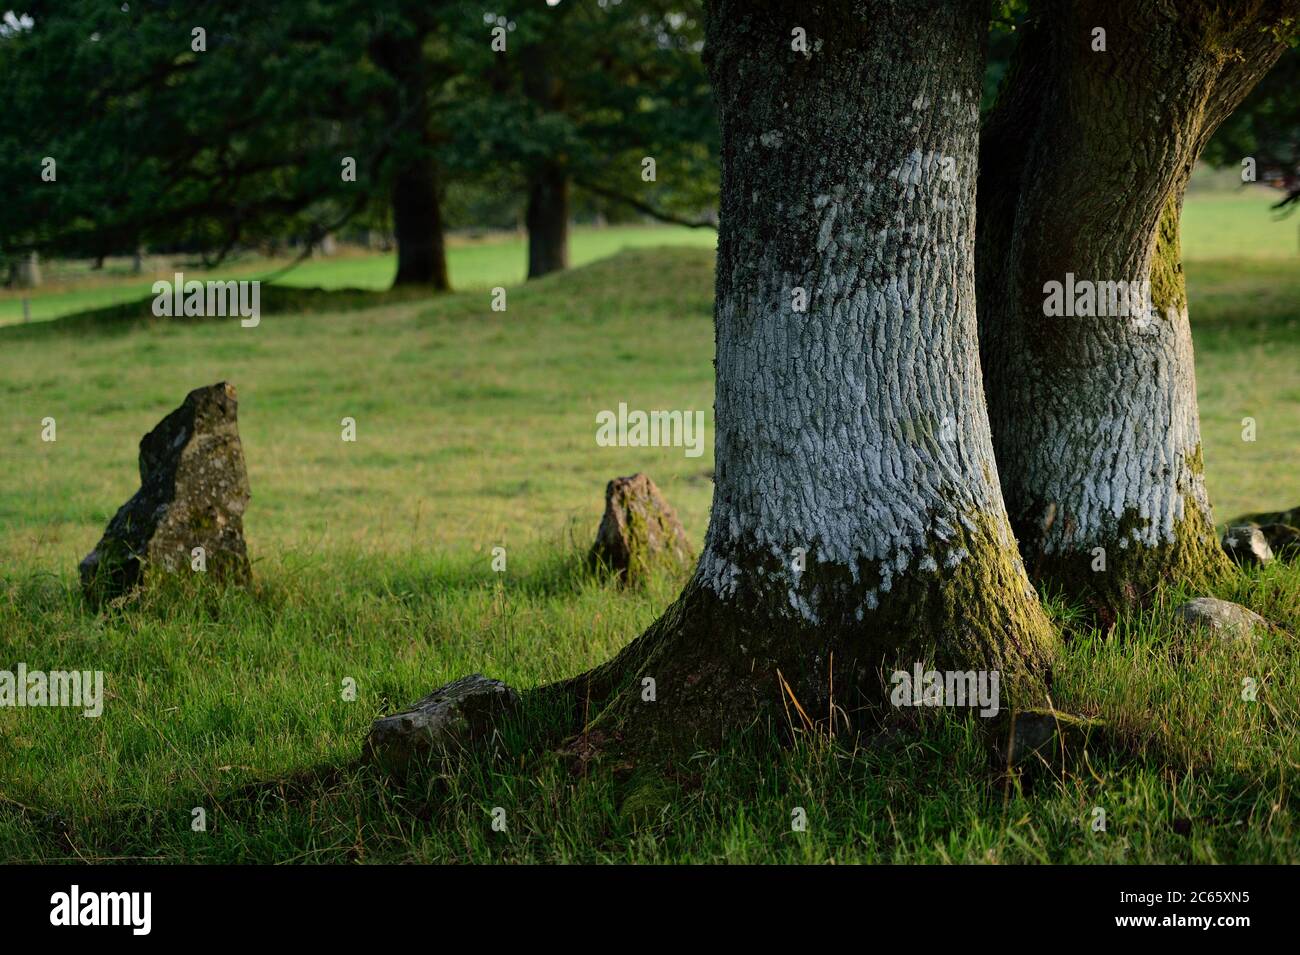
(548, 221)
(1083, 167)
(417, 212)
(853, 432)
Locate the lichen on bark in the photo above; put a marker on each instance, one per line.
(1084, 162)
(857, 523)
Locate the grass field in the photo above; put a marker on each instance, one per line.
(476, 429)
(471, 263)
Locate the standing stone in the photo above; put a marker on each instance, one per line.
(1045, 736)
(639, 531)
(193, 491)
(1246, 545)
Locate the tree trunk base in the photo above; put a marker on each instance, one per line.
(711, 668)
(1132, 573)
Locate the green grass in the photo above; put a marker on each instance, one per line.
(1237, 223)
(476, 429)
(471, 264)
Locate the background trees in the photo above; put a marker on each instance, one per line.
(180, 125)
(1265, 128)
(581, 96)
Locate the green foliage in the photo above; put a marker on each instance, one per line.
(160, 144)
(167, 136)
(593, 88)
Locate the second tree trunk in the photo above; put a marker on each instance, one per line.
(1084, 329)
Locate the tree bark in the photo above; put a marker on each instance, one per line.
(417, 225)
(853, 432)
(547, 217)
(1084, 162)
(417, 211)
(548, 221)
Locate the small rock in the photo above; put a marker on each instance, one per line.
(1222, 617)
(1280, 528)
(638, 531)
(1283, 540)
(1246, 545)
(193, 492)
(452, 717)
(1045, 735)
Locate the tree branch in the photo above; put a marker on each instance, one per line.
(645, 207)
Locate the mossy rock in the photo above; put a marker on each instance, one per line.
(1046, 738)
(639, 532)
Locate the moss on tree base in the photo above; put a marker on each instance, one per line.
(1126, 574)
(711, 667)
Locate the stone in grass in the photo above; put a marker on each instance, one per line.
(1246, 545)
(1044, 737)
(453, 717)
(638, 531)
(193, 492)
(1283, 540)
(1221, 617)
(1280, 528)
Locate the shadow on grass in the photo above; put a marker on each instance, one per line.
(275, 300)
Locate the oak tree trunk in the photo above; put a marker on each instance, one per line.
(857, 524)
(1083, 167)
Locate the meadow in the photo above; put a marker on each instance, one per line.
(476, 430)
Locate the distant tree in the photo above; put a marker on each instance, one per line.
(581, 95)
(205, 127)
